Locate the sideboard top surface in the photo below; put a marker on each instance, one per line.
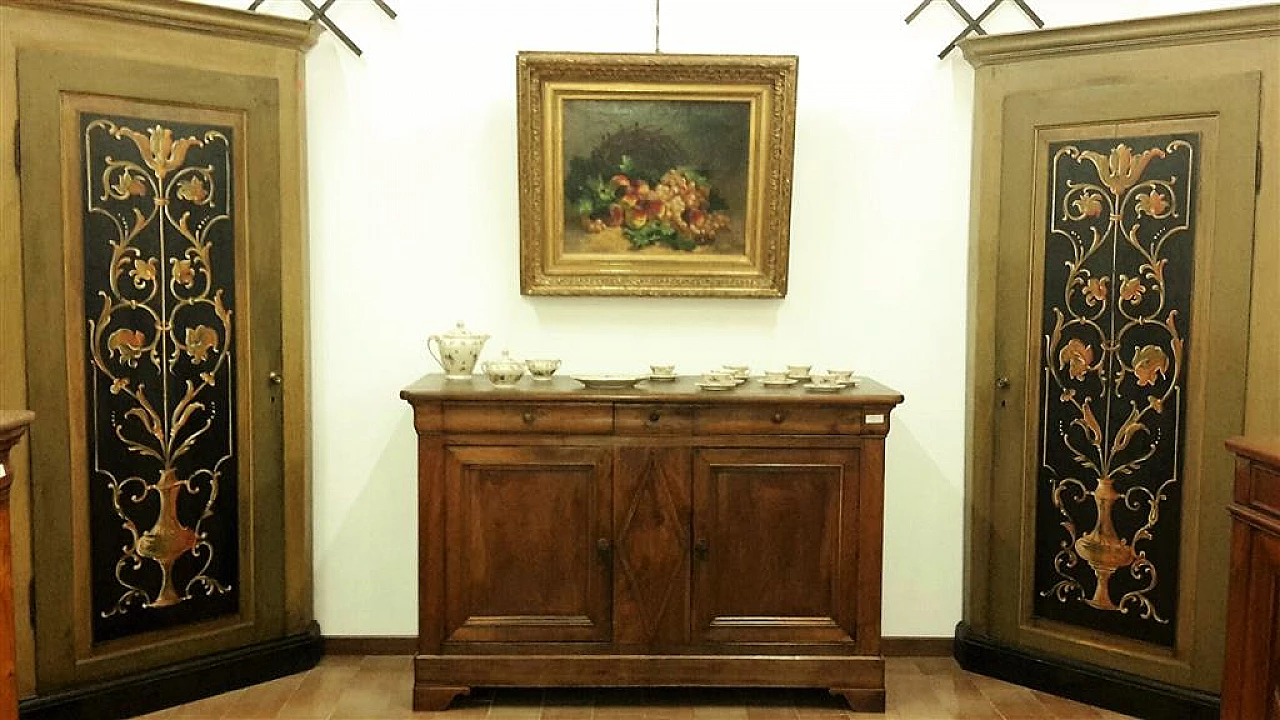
(683, 389)
(1262, 449)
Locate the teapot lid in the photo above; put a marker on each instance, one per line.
(460, 331)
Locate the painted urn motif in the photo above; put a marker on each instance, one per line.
(458, 351)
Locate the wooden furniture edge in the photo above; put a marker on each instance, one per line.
(897, 646)
(1226, 24)
(180, 15)
(1264, 450)
(434, 388)
(12, 424)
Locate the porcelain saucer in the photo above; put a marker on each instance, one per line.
(715, 386)
(608, 382)
(662, 378)
(824, 388)
(788, 382)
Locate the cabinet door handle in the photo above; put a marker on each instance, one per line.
(1002, 382)
(527, 417)
(604, 548)
(275, 378)
(655, 416)
(700, 548)
(778, 418)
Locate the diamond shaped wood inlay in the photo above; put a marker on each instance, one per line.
(649, 533)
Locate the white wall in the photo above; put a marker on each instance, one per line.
(414, 225)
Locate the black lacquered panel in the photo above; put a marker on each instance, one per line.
(160, 372)
(1118, 281)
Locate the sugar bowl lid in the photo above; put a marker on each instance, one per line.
(504, 364)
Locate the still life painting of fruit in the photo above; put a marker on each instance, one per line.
(663, 177)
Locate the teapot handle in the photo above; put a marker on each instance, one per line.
(433, 352)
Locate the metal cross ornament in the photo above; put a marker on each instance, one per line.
(974, 24)
(318, 12)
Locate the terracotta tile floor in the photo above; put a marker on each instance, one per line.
(378, 688)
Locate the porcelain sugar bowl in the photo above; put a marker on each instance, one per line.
(458, 351)
(505, 371)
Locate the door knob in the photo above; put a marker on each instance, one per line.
(1002, 382)
(275, 378)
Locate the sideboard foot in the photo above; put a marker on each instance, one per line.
(433, 698)
(862, 700)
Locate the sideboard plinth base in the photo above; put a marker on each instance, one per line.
(862, 699)
(434, 698)
(859, 679)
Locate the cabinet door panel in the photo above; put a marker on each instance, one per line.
(1112, 383)
(774, 545)
(651, 514)
(524, 528)
(156, 320)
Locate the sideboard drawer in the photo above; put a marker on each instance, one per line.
(528, 417)
(1264, 490)
(777, 419)
(653, 419)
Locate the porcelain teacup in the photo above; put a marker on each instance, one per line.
(542, 368)
(824, 380)
(775, 376)
(843, 376)
(738, 371)
(719, 378)
(662, 370)
(798, 371)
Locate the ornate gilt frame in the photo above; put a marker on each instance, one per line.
(766, 85)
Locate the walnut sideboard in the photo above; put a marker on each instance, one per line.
(1251, 684)
(658, 535)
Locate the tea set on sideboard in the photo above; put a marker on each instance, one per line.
(458, 351)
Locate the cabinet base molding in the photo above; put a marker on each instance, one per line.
(859, 679)
(890, 646)
(180, 683)
(1098, 686)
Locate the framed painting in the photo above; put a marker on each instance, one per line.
(655, 174)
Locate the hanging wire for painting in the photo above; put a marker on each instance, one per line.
(657, 15)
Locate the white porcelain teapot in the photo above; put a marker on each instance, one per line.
(459, 351)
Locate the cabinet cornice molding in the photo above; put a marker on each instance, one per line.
(192, 17)
(1214, 25)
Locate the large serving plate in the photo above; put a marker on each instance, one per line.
(608, 382)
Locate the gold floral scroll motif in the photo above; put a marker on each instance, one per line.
(1118, 279)
(159, 300)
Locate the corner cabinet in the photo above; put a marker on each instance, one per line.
(1125, 241)
(153, 252)
(658, 535)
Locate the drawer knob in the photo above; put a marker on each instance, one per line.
(701, 549)
(655, 416)
(527, 417)
(777, 418)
